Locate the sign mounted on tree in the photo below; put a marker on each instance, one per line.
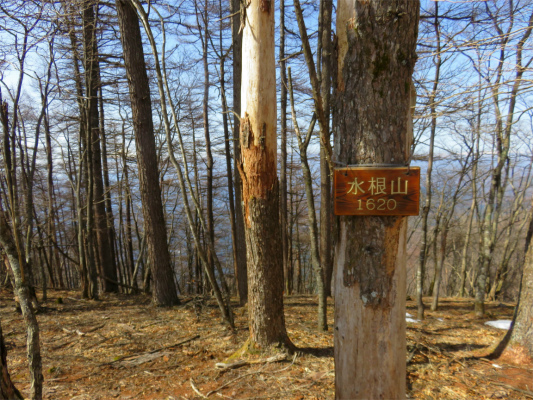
(377, 190)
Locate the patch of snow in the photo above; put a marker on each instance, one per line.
(500, 324)
(408, 315)
(408, 319)
(497, 366)
(440, 319)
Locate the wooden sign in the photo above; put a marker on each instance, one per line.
(377, 191)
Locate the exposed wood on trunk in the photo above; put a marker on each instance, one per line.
(259, 177)
(376, 57)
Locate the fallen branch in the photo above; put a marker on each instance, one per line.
(526, 393)
(196, 390)
(153, 351)
(252, 373)
(240, 363)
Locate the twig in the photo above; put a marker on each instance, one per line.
(412, 353)
(196, 390)
(153, 351)
(526, 393)
(252, 373)
(240, 363)
(234, 365)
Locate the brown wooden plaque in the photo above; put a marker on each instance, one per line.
(377, 191)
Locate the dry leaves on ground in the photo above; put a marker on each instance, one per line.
(122, 347)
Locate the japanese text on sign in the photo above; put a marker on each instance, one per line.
(377, 191)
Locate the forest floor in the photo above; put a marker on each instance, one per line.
(122, 347)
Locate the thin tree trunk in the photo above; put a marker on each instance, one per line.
(227, 148)
(23, 292)
(303, 143)
(110, 219)
(503, 141)
(236, 34)
(106, 261)
(421, 271)
(209, 155)
(326, 209)
(164, 291)
(283, 144)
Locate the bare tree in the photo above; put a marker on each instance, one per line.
(259, 177)
(164, 291)
(303, 144)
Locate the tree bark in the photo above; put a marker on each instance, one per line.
(259, 177)
(326, 209)
(376, 57)
(303, 143)
(242, 274)
(283, 144)
(209, 164)
(522, 330)
(23, 292)
(7, 388)
(164, 289)
(106, 261)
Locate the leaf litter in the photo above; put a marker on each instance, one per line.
(121, 347)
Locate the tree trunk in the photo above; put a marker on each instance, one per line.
(326, 209)
(164, 289)
(106, 262)
(376, 57)
(242, 274)
(421, 271)
(303, 143)
(283, 144)
(518, 341)
(110, 219)
(503, 128)
(227, 148)
(522, 334)
(209, 164)
(22, 290)
(7, 388)
(259, 178)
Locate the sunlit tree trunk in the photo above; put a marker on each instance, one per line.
(376, 58)
(22, 289)
(326, 209)
(259, 177)
(303, 144)
(503, 130)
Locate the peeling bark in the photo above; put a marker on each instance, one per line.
(376, 57)
(260, 187)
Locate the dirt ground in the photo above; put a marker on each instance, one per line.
(122, 347)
